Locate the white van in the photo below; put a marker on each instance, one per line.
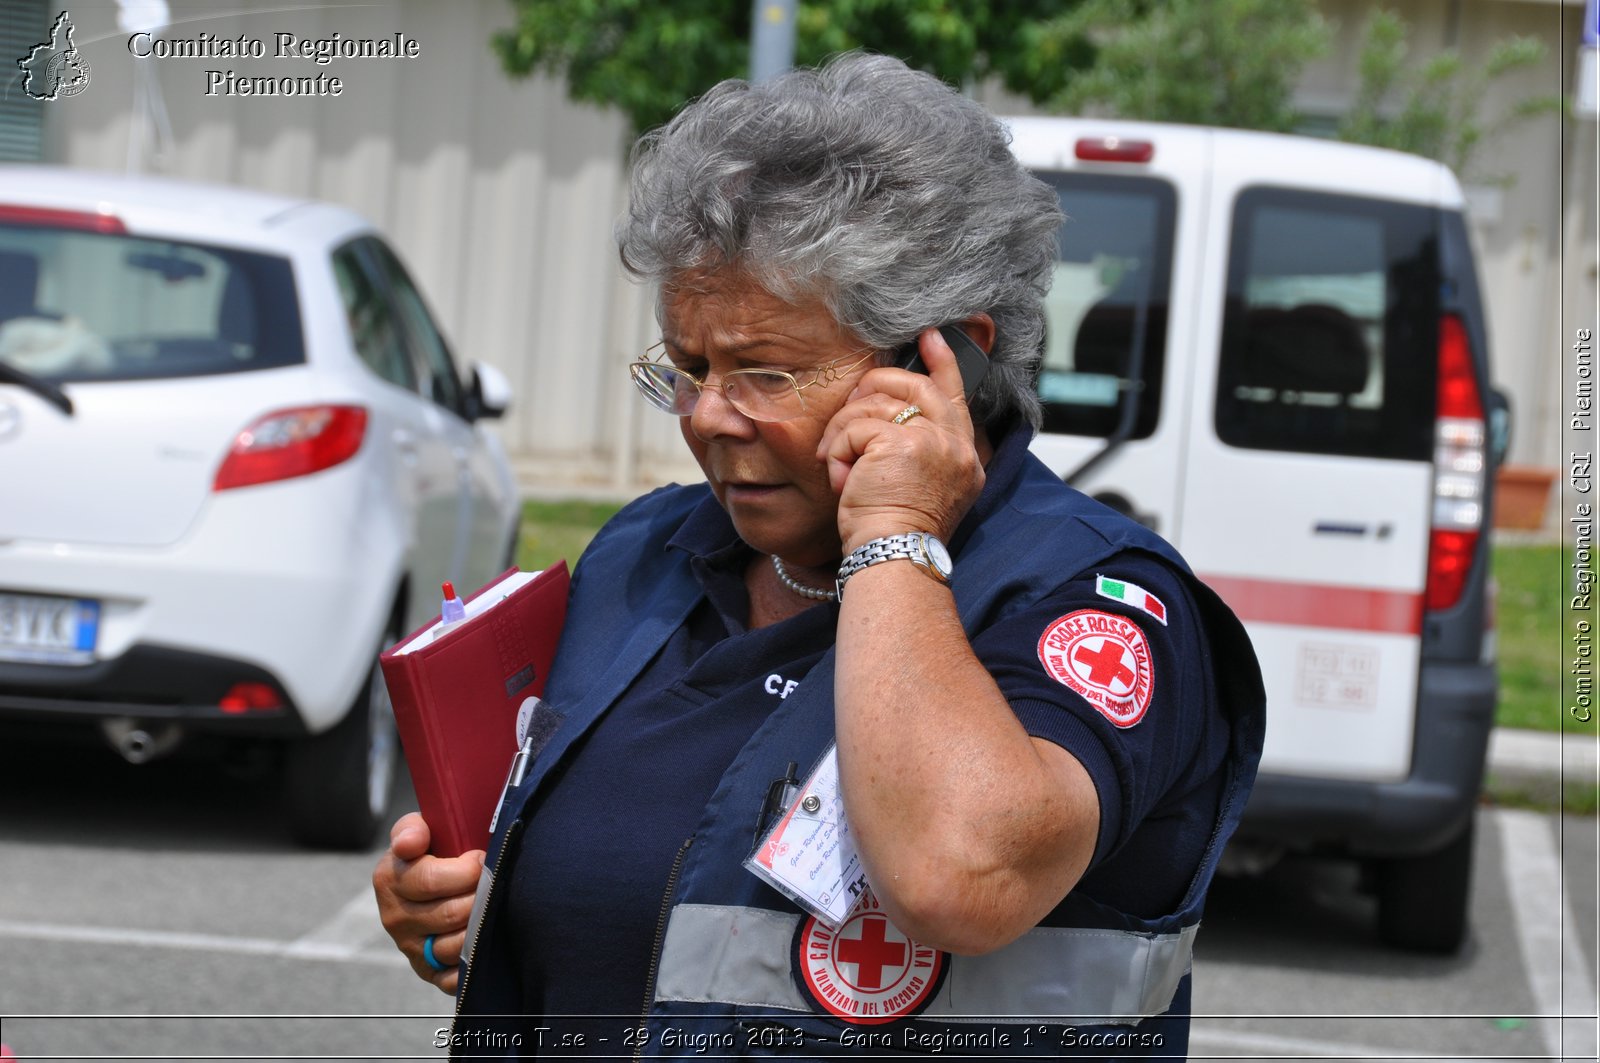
(1271, 350)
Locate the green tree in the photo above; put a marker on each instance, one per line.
(649, 58)
(1210, 62)
(1434, 109)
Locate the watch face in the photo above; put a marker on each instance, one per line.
(938, 555)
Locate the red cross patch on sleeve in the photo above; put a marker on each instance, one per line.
(1105, 659)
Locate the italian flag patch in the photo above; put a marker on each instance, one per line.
(1130, 594)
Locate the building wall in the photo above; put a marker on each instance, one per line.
(500, 196)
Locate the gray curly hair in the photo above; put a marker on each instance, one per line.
(876, 189)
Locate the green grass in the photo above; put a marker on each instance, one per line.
(1573, 797)
(552, 531)
(1530, 580)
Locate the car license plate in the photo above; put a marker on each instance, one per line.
(48, 630)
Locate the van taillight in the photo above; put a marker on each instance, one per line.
(289, 443)
(1114, 149)
(1459, 464)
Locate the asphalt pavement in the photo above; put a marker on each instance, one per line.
(163, 912)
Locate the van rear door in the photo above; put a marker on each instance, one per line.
(1308, 474)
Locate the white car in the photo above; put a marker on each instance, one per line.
(237, 460)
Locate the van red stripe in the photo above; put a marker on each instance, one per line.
(1320, 605)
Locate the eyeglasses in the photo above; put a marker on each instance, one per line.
(760, 394)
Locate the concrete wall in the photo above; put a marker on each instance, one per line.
(500, 195)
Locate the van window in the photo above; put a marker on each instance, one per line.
(1108, 301)
(1330, 326)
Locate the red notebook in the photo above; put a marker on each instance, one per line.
(456, 699)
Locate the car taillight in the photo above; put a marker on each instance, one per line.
(86, 220)
(1459, 466)
(250, 697)
(289, 443)
(1114, 149)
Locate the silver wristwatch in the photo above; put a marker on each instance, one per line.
(920, 548)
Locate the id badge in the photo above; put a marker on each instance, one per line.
(809, 856)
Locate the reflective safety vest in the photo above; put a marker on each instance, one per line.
(740, 969)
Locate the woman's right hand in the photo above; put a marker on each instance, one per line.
(420, 895)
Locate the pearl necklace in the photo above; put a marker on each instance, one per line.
(816, 594)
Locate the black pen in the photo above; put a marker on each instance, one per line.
(780, 795)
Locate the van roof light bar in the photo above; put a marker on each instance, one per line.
(85, 220)
(1114, 149)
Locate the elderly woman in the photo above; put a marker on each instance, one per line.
(1045, 726)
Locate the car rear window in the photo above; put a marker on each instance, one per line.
(1330, 327)
(86, 306)
(1106, 313)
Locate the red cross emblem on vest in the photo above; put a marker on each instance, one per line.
(872, 952)
(866, 971)
(1105, 659)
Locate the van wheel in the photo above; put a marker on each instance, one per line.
(339, 783)
(1423, 900)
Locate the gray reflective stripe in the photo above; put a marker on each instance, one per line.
(716, 954)
(1055, 973)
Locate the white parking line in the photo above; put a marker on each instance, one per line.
(1558, 972)
(352, 927)
(303, 949)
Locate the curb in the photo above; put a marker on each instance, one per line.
(1541, 762)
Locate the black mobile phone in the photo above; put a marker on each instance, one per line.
(974, 364)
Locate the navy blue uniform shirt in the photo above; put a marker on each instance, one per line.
(1110, 666)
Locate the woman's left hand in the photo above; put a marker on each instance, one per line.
(921, 475)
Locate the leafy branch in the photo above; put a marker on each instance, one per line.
(1435, 108)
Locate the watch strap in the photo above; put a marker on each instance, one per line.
(908, 546)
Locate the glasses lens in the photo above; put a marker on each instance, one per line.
(667, 388)
(763, 394)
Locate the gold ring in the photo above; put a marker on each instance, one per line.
(906, 414)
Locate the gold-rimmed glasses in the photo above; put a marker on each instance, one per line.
(770, 395)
